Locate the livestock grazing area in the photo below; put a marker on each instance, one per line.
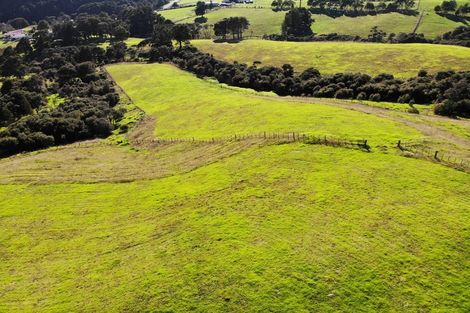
(264, 20)
(403, 60)
(200, 222)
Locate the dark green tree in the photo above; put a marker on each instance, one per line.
(141, 20)
(297, 23)
(43, 25)
(181, 32)
(376, 34)
(13, 67)
(449, 6)
(24, 46)
(19, 23)
(200, 8)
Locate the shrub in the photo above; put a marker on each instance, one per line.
(344, 93)
(362, 96)
(375, 97)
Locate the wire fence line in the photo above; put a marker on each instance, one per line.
(265, 136)
(416, 147)
(419, 150)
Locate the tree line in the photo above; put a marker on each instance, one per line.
(235, 25)
(297, 26)
(449, 90)
(453, 8)
(33, 10)
(334, 8)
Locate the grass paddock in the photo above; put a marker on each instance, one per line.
(401, 60)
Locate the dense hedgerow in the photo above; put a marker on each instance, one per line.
(460, 36)
(449, 89)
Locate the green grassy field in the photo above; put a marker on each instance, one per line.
(232, 227)
(265, 21)
(279, 228)
(360, 26)
(132, 41)
(332, 57)
(185, 106)
(179, 14)
(4, 44)
(262, 21)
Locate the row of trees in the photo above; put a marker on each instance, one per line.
(451, 90)
(282, 5)
(356, 5)
(360, 7)
(459, 36)
(233, 25)
(86, 26)
(452, 7)
(135, 21)
(297, 27)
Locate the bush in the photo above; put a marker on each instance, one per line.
(413, 110)
(344, 93)
(375, 97)
(362, 96)
(446, 108)
(404, 98)
(8, 145)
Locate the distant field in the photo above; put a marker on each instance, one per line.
(265, 21)
(360, 26)
(179, 14)
(262, 21)
(129, 42)
(332, 57)
(185, 106)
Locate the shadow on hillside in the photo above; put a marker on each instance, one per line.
(455, 18)
(335, 13)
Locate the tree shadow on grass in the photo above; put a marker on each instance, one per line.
(227, 40)
(455, 18)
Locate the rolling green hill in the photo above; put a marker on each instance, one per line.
(189, 107)
(264, 21)
(234, 226)
(402, 60)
